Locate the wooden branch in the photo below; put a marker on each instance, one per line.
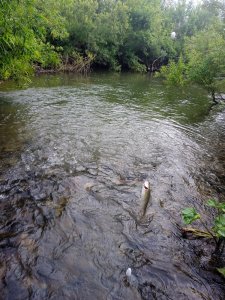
(196, 232)
(154, 61)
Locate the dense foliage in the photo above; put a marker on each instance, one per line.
(201, 56)
(114, 34)
(26, 27)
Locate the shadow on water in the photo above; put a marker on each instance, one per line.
(13, 137)
(74, 154)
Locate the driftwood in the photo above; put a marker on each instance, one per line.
(77, 64)
(153, 68)
(195, 232)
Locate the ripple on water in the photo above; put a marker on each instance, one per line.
(70, 191)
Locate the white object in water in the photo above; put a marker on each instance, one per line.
(173, 35)
(131, 278)
(128, 272)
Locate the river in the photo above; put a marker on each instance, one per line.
(75, 152)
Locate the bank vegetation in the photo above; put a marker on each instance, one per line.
(135, 35)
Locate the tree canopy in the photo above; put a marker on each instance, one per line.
(26, 28)
(114, 34)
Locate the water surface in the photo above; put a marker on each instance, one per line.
(75, 152)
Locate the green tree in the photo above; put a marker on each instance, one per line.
(121, 34)
(145, 37)
(80, 23)
(25, 26)
(96, 27)
(175, 73)
(206, 59)
(111, 27)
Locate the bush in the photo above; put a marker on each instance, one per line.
(174, 73)
(216, 232)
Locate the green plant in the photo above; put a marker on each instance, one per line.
(206, 58)
(174, 73)
(27, 35)
(219, 222)
(221, 271)
(189, 215)
(216, 232)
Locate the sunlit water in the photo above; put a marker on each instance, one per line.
(74, 155)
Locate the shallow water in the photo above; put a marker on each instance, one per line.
(75, 152)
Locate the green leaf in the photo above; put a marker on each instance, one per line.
(222, 271)
(216, 204)
(221, 232)
(220, 220)
(189, 215)
(212, 203)
(219, 227)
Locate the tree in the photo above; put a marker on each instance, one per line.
(145, 38)
(114, 34)
(25, 26)
(206, 59)
(175, 73)
(110, 32)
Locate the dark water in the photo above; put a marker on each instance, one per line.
(74, 155)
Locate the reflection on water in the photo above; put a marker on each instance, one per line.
(75, 152)
(12, 131)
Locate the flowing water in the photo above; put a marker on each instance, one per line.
(74, 154)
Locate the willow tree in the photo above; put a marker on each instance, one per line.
(96, 28)
(204, 62)
(200, 45)
(146, 40)
(25, 27)
(206, 59)
(110, 33)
